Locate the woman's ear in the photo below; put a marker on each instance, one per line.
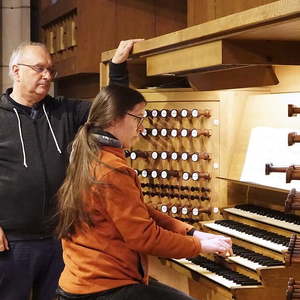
(116, 123)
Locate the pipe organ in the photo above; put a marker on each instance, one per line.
(202, 156)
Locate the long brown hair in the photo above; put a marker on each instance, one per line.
(112, 103)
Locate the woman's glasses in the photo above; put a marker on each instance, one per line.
(140, 119)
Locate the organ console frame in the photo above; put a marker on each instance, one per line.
(236, 51)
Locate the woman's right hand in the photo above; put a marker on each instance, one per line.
(219, 245)
(3, 241)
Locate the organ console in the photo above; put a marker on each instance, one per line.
(293, 110)
(204, 134)
(293, 138)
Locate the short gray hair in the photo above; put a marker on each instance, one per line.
(18, 53)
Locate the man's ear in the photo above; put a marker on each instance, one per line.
(15, 72)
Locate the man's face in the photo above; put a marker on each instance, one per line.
(29, 81)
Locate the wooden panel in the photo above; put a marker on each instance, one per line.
(242, 77)
(170, 15)
(95, 32)
(80, 86)
(224, 7)
(134, 19)
(210, 54)
(57, 10)
(200, 11)
(261, 52)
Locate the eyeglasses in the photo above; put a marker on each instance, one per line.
(141, 119)
(40, 69)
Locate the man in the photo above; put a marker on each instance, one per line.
(35, 131)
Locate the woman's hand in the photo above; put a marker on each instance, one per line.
(212, 243)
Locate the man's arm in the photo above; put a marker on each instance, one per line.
(118, 73)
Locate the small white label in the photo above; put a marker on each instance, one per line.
(174, 209)
(216, 166)
(144, 132)
(164, 155)
(174, 113)
(154, 155)
(215, 210)
(195, 157)
(154, 174)
(195, 176)
(174, 132)
(184, 132)
(184, 156)
(185, 176)
(164, 174)
(164, 208)
(154, 132)
(194, 133)
(164, 132)
(195, 113)
(163, 113)
(174, 155)
(216, 122)
(154, 113)
(184, 113)
(184, 211)
(195, 211)
(133, 155)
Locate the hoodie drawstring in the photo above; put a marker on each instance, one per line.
(53, 135)
(21, 138)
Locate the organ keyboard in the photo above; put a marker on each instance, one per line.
(250, 234)
(216, 272)
(258, 260)
(268, 216)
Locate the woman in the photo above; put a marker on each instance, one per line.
(106, 228)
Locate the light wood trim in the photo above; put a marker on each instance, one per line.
(186, 59)
(156, 96)
(104, 74)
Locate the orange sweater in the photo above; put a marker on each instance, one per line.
(113, 252)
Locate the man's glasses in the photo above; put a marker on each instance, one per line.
(140, 119)
(40, 69)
